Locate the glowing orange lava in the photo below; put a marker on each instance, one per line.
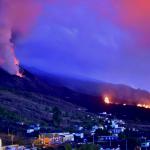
(107, 100)
(18, 73)
(143, 106)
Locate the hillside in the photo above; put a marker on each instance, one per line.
(119, 93)
(32, 98)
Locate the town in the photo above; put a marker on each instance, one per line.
(101, 131)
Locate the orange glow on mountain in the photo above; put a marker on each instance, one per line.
(16, 61)
(143, 106)
(18, 73)
(110, 100)
(107, 100)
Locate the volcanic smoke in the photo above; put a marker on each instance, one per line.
(17, 16)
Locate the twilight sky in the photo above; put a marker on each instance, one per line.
(107, 40)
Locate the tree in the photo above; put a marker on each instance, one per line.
(88, 147)
(100, 132)
(68, 147)
(56, 116)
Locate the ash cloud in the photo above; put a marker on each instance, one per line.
(16, 16)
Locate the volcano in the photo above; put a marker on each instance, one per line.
(30, 98)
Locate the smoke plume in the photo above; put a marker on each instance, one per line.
(17, 16)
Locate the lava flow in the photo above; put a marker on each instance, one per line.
(108, 101)
(18, 73)
(143, 106)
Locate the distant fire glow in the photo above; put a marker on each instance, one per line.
(143, 106)
(107, 100)
(18, 73)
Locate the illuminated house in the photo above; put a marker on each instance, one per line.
(54, 138)
(116, 131)
(107, 138)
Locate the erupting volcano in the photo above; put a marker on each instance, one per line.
(14, 26)
(8, 60)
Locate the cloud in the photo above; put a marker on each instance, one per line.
(103, 39)
(134, 17)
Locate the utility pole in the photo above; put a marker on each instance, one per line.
(110, 143)
(93, 139)
(126, 144)
(146, 143)
(8, 131)
(12, 139)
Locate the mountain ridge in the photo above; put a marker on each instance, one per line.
(31, 95)
(123, 92)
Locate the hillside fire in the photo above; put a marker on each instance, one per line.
(107, 100)
(143, 106)
(18, 73)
